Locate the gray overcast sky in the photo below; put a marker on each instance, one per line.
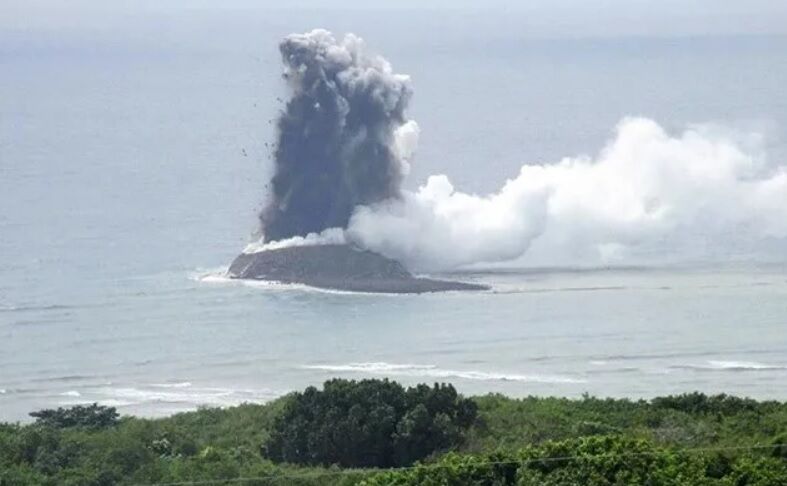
(544, 18)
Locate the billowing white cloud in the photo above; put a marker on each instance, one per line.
(645, 189)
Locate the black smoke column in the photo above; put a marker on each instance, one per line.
(335, 145)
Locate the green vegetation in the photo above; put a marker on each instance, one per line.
(370, 423)
(79, 416)
(687, 440)
(595, 461)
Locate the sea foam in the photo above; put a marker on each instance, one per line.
(433, 371)
(719, 365)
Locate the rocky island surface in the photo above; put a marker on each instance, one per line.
(338, 267)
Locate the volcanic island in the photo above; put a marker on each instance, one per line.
(338, 267)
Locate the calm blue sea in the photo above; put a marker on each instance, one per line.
(133, 160)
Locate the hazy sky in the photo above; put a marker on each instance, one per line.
(540, 18)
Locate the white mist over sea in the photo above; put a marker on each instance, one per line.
(131, 173)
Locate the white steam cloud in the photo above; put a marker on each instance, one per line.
(330, 236)
(645, 189)
(405, 142)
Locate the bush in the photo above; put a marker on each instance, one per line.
(369, 423)
(591, 461)
(699, 403)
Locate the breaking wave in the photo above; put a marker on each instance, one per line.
(220, 277)
(182, 395)
(714, 365)
(184, 384)
(433, 371)
(33, 307)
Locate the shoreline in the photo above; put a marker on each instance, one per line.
(228, 407)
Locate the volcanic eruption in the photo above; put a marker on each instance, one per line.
(336, 138)
(345, 145)
(343, 142)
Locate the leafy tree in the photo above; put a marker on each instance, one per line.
(95, 416)
(369, 423)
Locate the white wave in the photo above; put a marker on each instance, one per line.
(32, 307)
(214, 275)
(330, 236)
(3, 391)
(484, 376)
(374, 367)
(432, 371)
(137, 395)
(273, 285)
(112, 402)
(518, 289)
(181, 394)
(184, 384)
(743, 365)
(221, 277)
(719, 365)
(71, 393)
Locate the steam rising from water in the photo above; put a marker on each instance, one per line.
(344, 148)
(646, 190)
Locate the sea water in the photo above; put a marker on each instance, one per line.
(132, 168)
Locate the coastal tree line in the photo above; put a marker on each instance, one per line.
(377, 432)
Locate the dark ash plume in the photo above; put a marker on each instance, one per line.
(336, 144)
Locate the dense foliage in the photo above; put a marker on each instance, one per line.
(370, 423)
(684, 440)
(79, 416)
(594, 461)
(690, 420)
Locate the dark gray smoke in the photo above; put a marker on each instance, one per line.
(336, 144)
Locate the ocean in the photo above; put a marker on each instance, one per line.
(133, 163)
